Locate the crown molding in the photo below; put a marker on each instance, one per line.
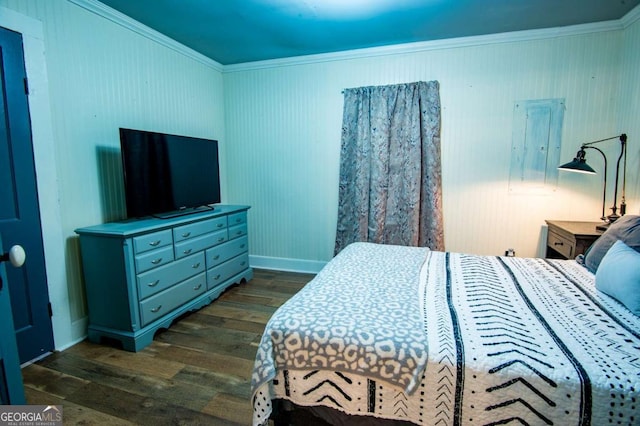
(631, 17)
(399, 49)
(123, 20)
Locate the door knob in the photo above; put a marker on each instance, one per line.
(16, 256)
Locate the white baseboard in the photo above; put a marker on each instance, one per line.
(284, 264)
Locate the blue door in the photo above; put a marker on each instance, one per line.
(11, 388)
(19, 210)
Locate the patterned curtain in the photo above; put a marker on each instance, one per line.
(390, 173)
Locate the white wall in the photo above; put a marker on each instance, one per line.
(629, 106)
(279, 126)
(98, 75)
(284, 118)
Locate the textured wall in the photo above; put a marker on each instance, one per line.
(629, 110)
(102, 76)
(279, 126)
(284, 119)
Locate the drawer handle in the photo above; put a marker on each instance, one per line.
(220, 225)
(198, 287)
(153, 284)
(238, 220)
(154, 310)
(217, 277)
(156, 261)
(186, 234)
(243, 263)
(242, 246)
(558, 243)
(239, 233)
(221, 239)
(216, 257)
(196, 266)
(155, 243)
(187, 251)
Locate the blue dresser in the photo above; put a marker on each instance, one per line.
(141, 274)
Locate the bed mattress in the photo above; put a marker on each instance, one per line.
(505, 340)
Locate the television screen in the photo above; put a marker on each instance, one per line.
(167, 175)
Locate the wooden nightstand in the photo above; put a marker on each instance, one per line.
(567, 239)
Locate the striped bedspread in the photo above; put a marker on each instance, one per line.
(509, 341)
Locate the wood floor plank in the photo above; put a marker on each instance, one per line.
(131, 381)
(142, 363)
(139, 409)
(230, 365)
(231, 408)
(51, 382)
(234, 312)
(196, 372)
(74, 414)
(218, 381)
(206, 319)
(220, 344)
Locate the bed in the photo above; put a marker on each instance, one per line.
(411, 335)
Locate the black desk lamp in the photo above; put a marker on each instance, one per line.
(580, 165)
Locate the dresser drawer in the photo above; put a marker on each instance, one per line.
(226, 270)
(237, 231)
(166, 301)
(561, 244)
(237, 218)
(147, 242)
(219, 254)
(192, 230)
(158, 279)
(153, 259)
(192, 245)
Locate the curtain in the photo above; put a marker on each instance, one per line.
(390, 188)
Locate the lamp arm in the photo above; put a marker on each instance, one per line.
(623, 149)
(614, 208)
(604, 190)
(623, 153)
(606, 139)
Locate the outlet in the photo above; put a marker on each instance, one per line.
(510, 252)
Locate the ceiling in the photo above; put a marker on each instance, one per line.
(238, 31)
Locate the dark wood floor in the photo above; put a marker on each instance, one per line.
(196, 372)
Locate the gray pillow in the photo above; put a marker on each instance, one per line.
(619, 275)
(625, 229)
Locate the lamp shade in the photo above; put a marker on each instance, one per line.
(579, 164)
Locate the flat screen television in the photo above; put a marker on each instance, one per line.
(168, 175)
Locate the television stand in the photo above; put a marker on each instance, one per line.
(182, 212)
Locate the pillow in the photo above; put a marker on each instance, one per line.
(626, 229)
(619, 275)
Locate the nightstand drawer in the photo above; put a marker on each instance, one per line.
(568, 239)
(562, 245)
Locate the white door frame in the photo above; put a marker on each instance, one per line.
(65, 332)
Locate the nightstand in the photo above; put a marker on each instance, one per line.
(567, 239)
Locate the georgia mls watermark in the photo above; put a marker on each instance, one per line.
(30, 415)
